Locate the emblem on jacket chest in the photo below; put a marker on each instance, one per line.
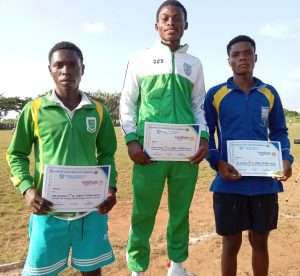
(187, 68)
(91, 124)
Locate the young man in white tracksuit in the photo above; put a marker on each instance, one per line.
(163, 84)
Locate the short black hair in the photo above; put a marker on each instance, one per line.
(65, 45)
(241, 38)
(171, 3)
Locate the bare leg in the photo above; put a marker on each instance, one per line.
(260, 254)
(231, 247)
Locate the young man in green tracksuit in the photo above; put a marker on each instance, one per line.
(163, 84)
(66, 127)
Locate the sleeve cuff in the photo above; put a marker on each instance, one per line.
(213, 159)
(131, 137)
(204, 135)
(24, 186)
(287, 156)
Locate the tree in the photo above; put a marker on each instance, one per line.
(11, 104)
(112, 101)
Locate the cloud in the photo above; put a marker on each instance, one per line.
(281, 29)
(94, 27)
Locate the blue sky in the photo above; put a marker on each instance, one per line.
(109, 32)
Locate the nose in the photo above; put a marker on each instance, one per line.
(170, 21)
(65, 69)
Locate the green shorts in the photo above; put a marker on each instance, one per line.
(53, 239)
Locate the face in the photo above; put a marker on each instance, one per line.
(66, 70)
(171, 25)
(242, 58)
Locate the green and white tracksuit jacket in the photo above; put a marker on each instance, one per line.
(162, 86)
(165, 87)
(85, 138)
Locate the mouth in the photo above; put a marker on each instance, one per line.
(67, 81)
(172, 31)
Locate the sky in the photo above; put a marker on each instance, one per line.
(110, 32)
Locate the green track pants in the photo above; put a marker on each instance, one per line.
(148, 185)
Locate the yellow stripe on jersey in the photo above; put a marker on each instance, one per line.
(219, 96)
(269, 95)
(99, 109)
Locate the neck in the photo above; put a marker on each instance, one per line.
(173, 45)
(70, 98)
(244, 82)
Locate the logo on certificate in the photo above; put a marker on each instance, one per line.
(91, 124)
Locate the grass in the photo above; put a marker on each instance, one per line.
(14, 215)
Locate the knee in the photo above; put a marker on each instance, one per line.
(231, 245)
(258, 241)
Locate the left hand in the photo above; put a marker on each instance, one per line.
(201, 153)
(287, 171)
(108, 203)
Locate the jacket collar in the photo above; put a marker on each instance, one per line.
(51, 99)
(163, 47)
(258, 84)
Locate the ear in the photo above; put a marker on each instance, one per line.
(82, 69)
(186, 25)
(228, 60)
(255, 58)
(156, 27)
(49, 68)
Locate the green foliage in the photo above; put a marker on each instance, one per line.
(11, 104)
(112, 101)
(289, 113)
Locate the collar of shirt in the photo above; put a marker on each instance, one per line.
(163, 47)
(257, 84)
(84, 101)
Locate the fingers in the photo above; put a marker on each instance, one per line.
(41, 206)
(137, 155)
(201, 153)
(107, 204)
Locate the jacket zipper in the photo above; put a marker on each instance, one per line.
(173, 86)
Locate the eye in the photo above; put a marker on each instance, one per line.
(58, 65)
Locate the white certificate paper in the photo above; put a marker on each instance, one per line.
(255, 158)
(171, 142)
(75, 188)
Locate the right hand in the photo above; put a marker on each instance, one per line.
(227, 171)
(39, 205)
(137, 154)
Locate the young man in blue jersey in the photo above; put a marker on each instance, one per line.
(245, 108)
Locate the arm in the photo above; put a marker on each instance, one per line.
(198, 96)
(226, 171)
(279, 132)
(128, 116)
(19, 150)
(129, 104)
(106, 148)
(212, 121)
(18, 161)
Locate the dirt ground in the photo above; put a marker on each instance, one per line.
(205, 245)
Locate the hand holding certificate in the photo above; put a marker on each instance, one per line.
(171, 142)
(255, 158)
(75, 188)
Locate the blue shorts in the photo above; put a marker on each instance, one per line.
(235, 213)
(51, 240)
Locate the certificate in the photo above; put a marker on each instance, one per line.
(75, 188)
(171, 142)
(255, 158)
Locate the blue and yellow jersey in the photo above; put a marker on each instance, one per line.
(235, 115)
(86, 138)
